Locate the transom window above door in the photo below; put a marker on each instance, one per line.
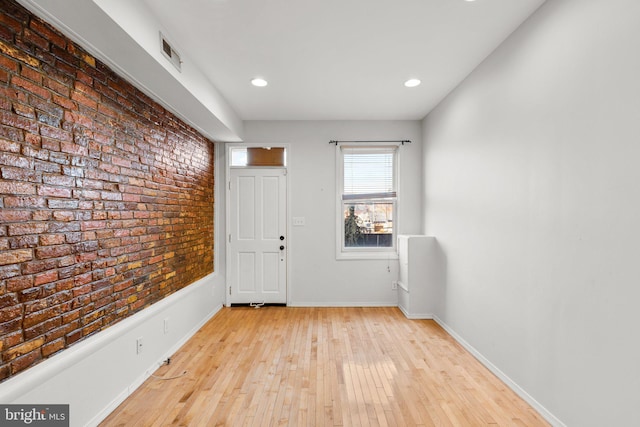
(258, 157)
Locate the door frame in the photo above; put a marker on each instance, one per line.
(227, 182)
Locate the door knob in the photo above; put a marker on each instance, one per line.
(281, 237)
(282, 248)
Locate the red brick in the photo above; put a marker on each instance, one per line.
(12, 326)
(48, 277)
(56, 133)
(30, 36)
(65, 102)
(73, 336)
(57, 251)
(7, 215)
(42, 328)
(9, 63)
(53, 347)
(35, 153)
(66, 262)
(61, 180)
(62, 204)
(73, 171)
(84, 77)
(59, 88)
(30, 87)
(32, 139)
(9, 146)
(16, 284)
(14, 160)
(82, 99)
(63, 216)
(87, 90)
(5, 371)
(47, 167)
(22, 363)
(16, 256)
(41, 215)
(42, 316)
(15, 174)
(13, 339)
(47, 191)
(92, 328)
(16, 53)
(74, 149)
(68, 325)
(28, 296)
(23, 242)
(33, 267)
(12, 187)
(31, 74)
(48, 33)
(27, 228)
(10, 313)
(7, 300)
(52, 239)
(14, 94)
(24, 110)
(24, 202)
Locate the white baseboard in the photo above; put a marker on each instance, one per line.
(544, 413)
(416, 316)
(97, 374)
(340, 304)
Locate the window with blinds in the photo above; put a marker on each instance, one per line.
(368, 198)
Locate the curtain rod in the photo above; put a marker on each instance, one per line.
(402, 141)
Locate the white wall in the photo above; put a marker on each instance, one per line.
(317, 278)
(219, 219)
(532, 189)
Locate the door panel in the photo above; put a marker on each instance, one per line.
(257, 221)
(246, 271)
(270, 211)
(270, 263)
(246, 210)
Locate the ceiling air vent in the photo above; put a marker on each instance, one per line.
(170, 53)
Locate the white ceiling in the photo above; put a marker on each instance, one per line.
(323, 59)
(337, 59)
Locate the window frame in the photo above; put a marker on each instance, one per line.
(346, 253)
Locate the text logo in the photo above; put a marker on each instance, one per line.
(34, 415)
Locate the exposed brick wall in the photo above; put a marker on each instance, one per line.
(106, 199)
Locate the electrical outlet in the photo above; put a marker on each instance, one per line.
(166, 325)
(139, 345)
(394, 285)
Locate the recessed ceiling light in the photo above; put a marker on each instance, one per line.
(412, 83)
(259, 82)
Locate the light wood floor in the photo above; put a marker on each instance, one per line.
(279, 366)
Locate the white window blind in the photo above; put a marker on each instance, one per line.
(368, 173)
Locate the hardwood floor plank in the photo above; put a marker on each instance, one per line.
(284, 366)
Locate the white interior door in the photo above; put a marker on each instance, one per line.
(257, 243)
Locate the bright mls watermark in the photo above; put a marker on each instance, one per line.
(34, 415)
